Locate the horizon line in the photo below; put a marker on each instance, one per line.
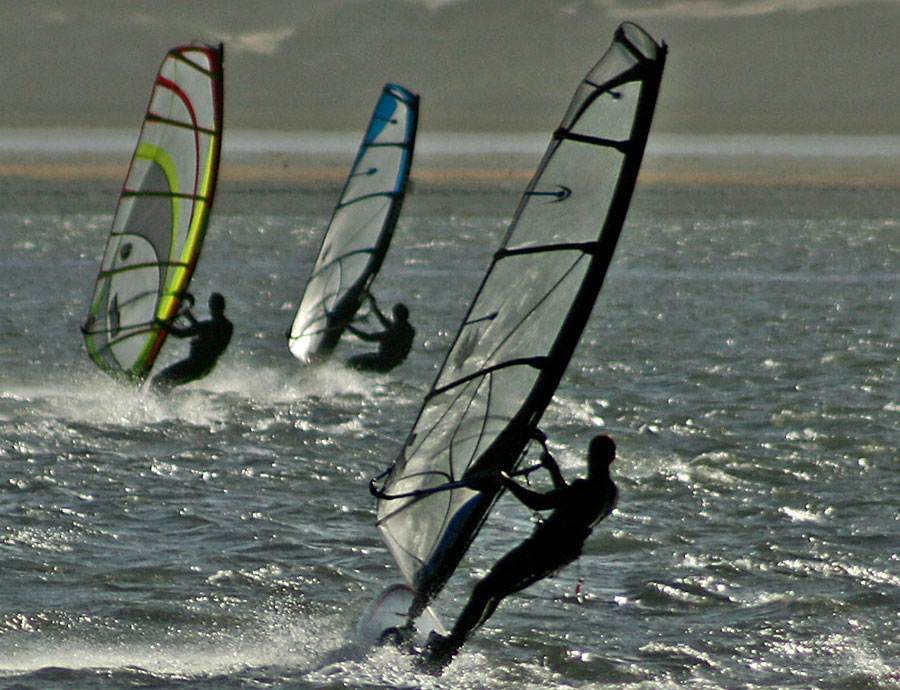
(101, 140)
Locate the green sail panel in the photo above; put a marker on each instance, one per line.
(361, 227)
(162, 215)
(527, 317)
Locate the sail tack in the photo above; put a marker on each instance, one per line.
(162, 215)
(361, 227)
(526, 319)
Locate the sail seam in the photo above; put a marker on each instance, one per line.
(339, 259)
(535, 362)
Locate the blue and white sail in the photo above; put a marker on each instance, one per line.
(361, 228)
(520, 331)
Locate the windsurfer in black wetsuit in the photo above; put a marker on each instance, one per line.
(555, 542)
(394, 343)
(210, 338)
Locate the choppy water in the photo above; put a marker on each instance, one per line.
(743, 353)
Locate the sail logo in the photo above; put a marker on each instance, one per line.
(113, 316)
(466, 348)
(468, 344)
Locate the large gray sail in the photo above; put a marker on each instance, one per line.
(526, 319)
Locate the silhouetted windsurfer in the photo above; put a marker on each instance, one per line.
(555, 542)
(394, 343)
(210, 338)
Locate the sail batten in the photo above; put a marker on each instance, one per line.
(583, 247)
(521, 329)
(533, 362)
(595, 141)
(361, 227)
(162, 215)
(159, 119)
(364, 197)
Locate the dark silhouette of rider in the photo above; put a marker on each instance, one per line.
(394, 343)
(210, 338)
(555, 542)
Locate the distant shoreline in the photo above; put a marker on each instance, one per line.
(481, 159)
(319, 143)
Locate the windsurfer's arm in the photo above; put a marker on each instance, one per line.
(385, 321)
(180, 332)
(187, 302)
(548, 462)
(183, 332)
(362, 335)
(531, 499)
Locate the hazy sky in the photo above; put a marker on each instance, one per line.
(735, 66)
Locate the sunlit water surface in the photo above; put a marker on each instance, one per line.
(743, 353)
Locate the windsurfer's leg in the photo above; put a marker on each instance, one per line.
(176, 374)
(511, 573)
(533, 560)
(367, 362)
(485, 599)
